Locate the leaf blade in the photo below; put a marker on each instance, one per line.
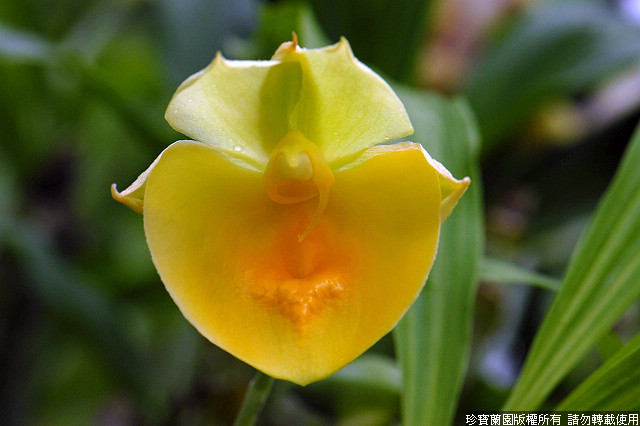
(502, 272)
(387, 35)
(614, 386)
(557, 49)
(433, 346)
(598, 287)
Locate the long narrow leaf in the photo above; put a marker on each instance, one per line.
(559, 49)
(502, 272)
(614, 386)
(609, 345)
(96, 28)
(69, 294)
(600, 284)
(367, 391)
(433, 340)
(387, 35)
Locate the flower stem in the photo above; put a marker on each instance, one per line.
(257, 394)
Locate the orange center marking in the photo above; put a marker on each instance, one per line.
(300, 279)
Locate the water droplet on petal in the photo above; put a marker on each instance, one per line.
(237, 148)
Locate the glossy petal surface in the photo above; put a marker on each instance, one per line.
(224, 105)
(245, 107)
(344, 107)
(231, 259)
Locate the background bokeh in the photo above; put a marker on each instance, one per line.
(88, 335)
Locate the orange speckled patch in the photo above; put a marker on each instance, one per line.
(300, 279)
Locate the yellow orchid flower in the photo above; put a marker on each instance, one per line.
(286, 233)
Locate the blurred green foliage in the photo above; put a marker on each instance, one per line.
(547, 95)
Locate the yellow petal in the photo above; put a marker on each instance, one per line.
(231, 259)
(451, 189)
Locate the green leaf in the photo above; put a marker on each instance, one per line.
(600, 284)
(370, 371)
(9, 191)
(71, 294)
(609, 345)
(257, 395)
(279, 19)
(433, 339)
(193, 30)
(87, 37)
(614, 386)
(98, 26)
(387, 35)
(367, 391)
(23, 47)
(502, 272)
(558, 49)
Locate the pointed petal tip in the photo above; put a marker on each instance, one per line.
(135, 204)
(219, 59)
(287, 48)
(133, 196)
(344, 44)
(452, 191)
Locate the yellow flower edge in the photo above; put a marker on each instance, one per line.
(296, 309)
(287, 235)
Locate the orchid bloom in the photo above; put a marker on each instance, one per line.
(285, 232)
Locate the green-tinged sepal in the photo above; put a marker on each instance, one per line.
(222, 105)
(245, 108)
(344, 106)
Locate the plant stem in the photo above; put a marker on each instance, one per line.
(257, 394)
